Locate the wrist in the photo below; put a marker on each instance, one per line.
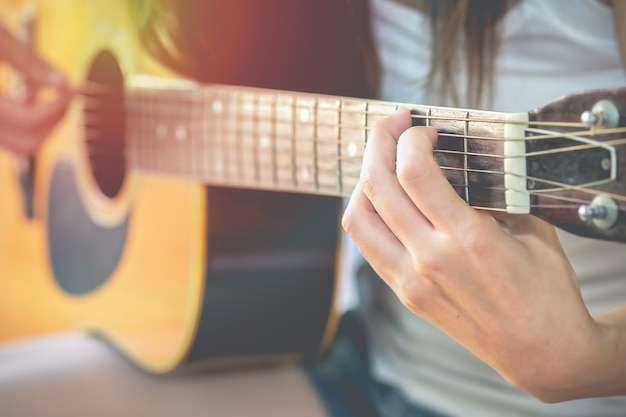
(592, 364)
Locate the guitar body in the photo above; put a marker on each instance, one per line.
(168, 270)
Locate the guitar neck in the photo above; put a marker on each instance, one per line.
(546, 162)
(298, 142)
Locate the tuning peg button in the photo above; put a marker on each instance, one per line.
(602, 212)
(603, 114)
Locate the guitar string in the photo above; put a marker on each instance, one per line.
(314, 106)
(94, 88)
(90, 88)
(538, 137)
(356, 129)
(567, 135)
(556, 135)
(485, 155)
(559, 187)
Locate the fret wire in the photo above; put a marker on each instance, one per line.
(229, 140)
(201, 138)
(294, 179)
(273, 129)
(465, 174)
(224, 139)
(210, 136)
(366, 124)
(175, 113)
(316, 182)
(339, 154)
(191, 136)
(143, 149)
(256, 138)
(211, 123)
(177, 161)
(164, 140)
(150, 157)
(194, 135)
(239, 138)
(146, 158)
(365, 139)
(203, 135)
(138, 127)
(221, 136)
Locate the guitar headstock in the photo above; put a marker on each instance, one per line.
(576, 163)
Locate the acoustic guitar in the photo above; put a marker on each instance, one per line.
(186, 222)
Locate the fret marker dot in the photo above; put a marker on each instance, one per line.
(304, 115)
(161, 131)
(217, 106)
(181, 133)
(304, 173)
(264, 141)
(352, 149)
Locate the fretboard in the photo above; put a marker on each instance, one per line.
(297, 142)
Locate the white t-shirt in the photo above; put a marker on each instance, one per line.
(549, 48)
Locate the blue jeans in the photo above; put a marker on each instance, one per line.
(343, 380)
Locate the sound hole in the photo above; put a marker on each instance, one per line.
(104, 123)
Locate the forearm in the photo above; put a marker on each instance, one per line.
(596, 368)
(611, 359)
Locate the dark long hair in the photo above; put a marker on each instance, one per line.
(300, 45)
(465, 30)
(187, 35)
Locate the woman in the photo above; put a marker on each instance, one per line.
(486, 311)
(500, 286)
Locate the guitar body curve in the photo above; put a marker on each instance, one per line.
(169, 271)
(130, 267)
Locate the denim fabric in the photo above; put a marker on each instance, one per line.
(343, 380)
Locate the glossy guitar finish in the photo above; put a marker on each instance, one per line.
(165, 268)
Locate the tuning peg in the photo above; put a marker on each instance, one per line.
(603, 114)
(602, 212)
(588, 213)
